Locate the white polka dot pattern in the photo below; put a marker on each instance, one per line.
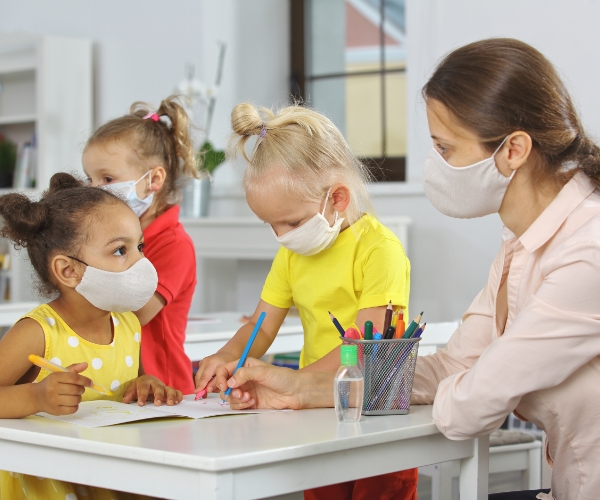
(129, 361)
(56, 361)
(115, 321)
(114, 386)
(97, 363)
(136, 336)
(73, 341)
(71, 496)
(51, 321)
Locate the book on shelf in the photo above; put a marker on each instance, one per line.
(26, 168)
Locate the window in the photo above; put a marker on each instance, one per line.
(349, 62)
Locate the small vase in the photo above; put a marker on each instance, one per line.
(196, 198)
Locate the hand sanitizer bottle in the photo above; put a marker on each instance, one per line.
(348, 386)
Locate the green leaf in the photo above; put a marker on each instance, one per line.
(8, 156)
(210, 159)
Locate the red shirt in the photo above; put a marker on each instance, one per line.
(171, 251)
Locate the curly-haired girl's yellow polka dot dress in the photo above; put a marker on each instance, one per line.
(113, 365)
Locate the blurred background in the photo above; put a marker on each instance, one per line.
(68, 66)
(361, 62)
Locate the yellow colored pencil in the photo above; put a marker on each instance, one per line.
(53, 367)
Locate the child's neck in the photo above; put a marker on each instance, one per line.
(87, 321)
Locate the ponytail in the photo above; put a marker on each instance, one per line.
(161, 135)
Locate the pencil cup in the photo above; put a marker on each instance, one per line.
(388, 367)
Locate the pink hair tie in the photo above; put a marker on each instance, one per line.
(152, 115)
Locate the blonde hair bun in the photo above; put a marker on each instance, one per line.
(246, 119)
(306, 145)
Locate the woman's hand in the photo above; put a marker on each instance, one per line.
(208, 368)
(60, 393)
(261, 385)
(145, 386)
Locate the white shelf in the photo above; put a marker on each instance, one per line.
(17, 119)
(16, 67)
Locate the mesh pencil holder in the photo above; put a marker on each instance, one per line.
(388, 367)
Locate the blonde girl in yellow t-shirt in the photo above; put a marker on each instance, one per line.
(85, 245)
(304, 181)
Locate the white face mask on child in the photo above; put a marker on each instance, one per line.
(313, 236)
(126, 291)
(127, 190)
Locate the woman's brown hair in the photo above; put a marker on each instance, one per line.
(154, 138)
(498, 86)
(56, 224)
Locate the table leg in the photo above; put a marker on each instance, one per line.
(474, 471)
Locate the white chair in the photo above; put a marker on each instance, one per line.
(516, 456)
(525, 457)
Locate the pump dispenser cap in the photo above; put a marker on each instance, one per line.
(348, 355)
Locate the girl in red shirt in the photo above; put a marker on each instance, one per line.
(144, 156)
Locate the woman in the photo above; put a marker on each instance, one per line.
(507, 139)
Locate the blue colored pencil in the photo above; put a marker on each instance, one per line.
(336, 323)
(244, 355)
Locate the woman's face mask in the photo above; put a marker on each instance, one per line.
(313, 236)
(123, 291)
(128, 192)
(464, 192)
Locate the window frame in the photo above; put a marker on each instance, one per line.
(384, 168)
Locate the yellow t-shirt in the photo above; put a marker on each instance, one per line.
(365, 267)
(112, 366)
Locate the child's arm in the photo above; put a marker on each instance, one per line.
(58, 394)
(331, 361)
(151, 309)
(233, 349)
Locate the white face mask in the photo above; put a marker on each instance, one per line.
(464, 192)
(126, 291)
(127, 190)
(313, 236)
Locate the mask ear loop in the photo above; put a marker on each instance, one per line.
(149, 180)
(499, 147)
(78, 260)
(325, 206)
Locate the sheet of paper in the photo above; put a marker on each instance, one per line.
(102, 413)
(211, 406)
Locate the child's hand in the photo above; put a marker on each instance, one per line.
(143, 387)
(208, 368)
(60, 393)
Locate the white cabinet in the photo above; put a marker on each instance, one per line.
(46, 90)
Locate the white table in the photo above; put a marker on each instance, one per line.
(204, 339)
(237, 457)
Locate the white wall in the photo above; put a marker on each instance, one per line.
(142, 46)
